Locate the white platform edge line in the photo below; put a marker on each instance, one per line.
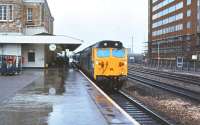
(111, 101)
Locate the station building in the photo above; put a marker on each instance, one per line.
(26, 30)
(174, 31)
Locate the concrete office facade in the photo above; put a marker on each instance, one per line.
(174, 30)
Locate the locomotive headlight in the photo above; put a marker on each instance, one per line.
(125, 63)
(97, 62)
(93, 65)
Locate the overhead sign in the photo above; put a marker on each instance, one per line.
(194, 57)
(52, 47)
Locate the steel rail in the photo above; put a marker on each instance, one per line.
(138, 111)
(171, 88)
(180, 77)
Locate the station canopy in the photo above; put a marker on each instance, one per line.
(66, 41)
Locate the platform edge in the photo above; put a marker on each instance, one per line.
(111, 101)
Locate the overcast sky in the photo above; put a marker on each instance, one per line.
(96, 20)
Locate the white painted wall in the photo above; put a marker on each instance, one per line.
(11, 49)
(34, 1)
(35, 30)
(39, 50)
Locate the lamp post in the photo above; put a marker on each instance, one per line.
(132, 45)
(158, 55)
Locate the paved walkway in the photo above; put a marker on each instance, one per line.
(9, 85)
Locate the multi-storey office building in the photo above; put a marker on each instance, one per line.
(174, 27)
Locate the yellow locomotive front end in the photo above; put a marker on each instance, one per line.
(110, 63)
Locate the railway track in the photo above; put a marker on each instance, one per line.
(179, 77)
(168, 87)
(136, 110)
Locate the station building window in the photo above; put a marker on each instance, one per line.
(29, 14)
(31, 56)
(189, 25)
(6, 12)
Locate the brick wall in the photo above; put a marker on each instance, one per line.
(12, 26)
(41, 17)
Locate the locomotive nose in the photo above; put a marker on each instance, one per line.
(122, 64)
(111, 69)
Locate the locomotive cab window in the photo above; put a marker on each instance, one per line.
(103, 53)
(120, 53)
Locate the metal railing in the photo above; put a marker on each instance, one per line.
(188, 66)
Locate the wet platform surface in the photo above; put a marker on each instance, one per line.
(53, 99)
(59, 97)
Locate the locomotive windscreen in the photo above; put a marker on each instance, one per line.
(120, 53)
(103, 52)
(109, 44)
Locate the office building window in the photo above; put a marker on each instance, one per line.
(31, 57)
(6, 12)
(189, 2)
(188, 12)
(162, 4)
(170, 29)
(29, 14)
(168, 20)
(188, 38)
(154, 1)
(189, 25)
(168, 10)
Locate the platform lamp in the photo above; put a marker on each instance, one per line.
(52, 47)
(194, 58)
